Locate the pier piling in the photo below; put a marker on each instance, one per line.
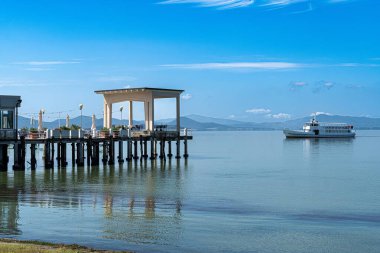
(73, 154)
(120, 156)
(111, 150)
(170, 154)
(33, 160)
(178, 144)
(80, 154)
(4, 157)
(135, 154)
(105, 157)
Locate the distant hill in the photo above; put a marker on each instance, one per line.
(203, 123)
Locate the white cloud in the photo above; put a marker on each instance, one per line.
(187, 96)
(320, 113)
(323, 85)
(279, 116)
(19, 83)
(220, 4)
(268, 65)
(40, 63)
(258, 111)
(237, 65)
(328, 85)
(37, 69)
(116, 79)
(231, 4)
(299, 84)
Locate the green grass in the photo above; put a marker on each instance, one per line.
(14, 246)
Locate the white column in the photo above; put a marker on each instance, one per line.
(105, 117)
(109, 115)
(178, 112)
(151, 115)
(146, 114)
(130, 114)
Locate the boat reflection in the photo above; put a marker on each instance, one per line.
(311, 147)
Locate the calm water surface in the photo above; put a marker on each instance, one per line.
(238, 192)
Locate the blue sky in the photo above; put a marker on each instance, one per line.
(262, 60)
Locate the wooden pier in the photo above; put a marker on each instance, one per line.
(93, 150)
(93, 147)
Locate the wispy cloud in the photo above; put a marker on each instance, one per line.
(258, 111)
(323, 85)
(294, 86)
(19, 83)
(231, 4)
(238, 65)
(320, 113)
(220, 4)
(41, 63)
(116, 79)
(280, 115)
(187, 96)
(37, 69)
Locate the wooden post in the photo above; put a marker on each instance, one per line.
(161, 150)
(105, 157)
(152, 149)
(4, 157)
(80, 154)
(129, 150)
(73, 154)
(170, 155)
(186, 153)
(135, 155)
(63, 154)
(111, 151)
(33, 160)
(95, 154)
(47, 155)
(178, 142)
(120, 156)
(155, 149)
(141, 148)
(59, 153)
(145, 148)
(89, 150)
(19, 155)
(52, 154)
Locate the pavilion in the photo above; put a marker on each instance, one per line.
(145, 95)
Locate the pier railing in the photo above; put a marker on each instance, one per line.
(85, 134)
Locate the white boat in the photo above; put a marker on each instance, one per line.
(314, 129)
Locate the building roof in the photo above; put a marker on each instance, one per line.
(143, 89)
(10, 101)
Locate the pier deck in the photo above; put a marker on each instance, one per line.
(88, 149)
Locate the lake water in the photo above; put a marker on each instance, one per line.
(238, 192)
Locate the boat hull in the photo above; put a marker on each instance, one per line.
(302, 134)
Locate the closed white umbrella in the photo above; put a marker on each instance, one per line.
(93, 126)
(67, 121)
(40, 121)
(32, 121)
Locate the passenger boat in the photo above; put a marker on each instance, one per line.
(314, 129)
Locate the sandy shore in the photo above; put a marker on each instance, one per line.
(10, 246)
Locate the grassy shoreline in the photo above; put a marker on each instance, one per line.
(12, 245)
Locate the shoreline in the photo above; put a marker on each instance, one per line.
(13, 245)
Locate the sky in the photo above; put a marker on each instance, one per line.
(263, 60)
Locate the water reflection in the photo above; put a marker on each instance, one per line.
(137, 202)
(314, 147)
(9, 207)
